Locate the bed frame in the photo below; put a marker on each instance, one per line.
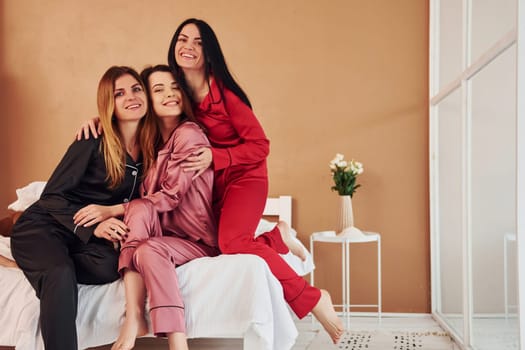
(254, 276)
(280, 207)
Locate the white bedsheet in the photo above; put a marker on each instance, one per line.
(229, 296)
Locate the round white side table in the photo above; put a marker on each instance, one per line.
(357, 236)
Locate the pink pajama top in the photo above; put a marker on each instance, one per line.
(184, 204)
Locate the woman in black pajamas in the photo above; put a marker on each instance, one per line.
(54, 253)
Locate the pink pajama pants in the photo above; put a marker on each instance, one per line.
(155, 257)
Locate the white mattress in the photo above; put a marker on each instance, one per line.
(229, 296)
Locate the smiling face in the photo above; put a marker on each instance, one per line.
(188, 48)
(130, 99)
(165, 94)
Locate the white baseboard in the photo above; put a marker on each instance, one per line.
(389, 314)
(383, 315)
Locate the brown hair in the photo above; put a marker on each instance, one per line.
(187, 111)
(111, 145)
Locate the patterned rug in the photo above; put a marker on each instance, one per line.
(386, 340)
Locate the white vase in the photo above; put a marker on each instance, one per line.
(346, 226)
(346, 214)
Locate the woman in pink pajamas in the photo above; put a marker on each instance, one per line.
(238, 157)
(171, 224)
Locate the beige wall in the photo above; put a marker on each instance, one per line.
(323, 76)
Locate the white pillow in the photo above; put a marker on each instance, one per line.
(300, 267)
(265, 226)
(27, 195)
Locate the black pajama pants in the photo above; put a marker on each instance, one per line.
(54, 260)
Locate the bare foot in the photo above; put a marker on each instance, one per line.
(291, 243)
(324, 312)
(132, 328)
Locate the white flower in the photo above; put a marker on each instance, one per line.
(355, 167)
(338, 162)
(338, 157)
(344, 174)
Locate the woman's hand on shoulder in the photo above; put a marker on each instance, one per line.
(89, 127)
(93, 214)
(112, 229)
(199, 161)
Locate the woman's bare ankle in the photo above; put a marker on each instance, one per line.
(134, 326)
(177, 341)
(325, 313)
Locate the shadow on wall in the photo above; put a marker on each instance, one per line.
(10, 100)
(4, 142)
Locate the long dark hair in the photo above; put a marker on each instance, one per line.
(187, 111)
(215, 64)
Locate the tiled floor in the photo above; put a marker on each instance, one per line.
(310, 338)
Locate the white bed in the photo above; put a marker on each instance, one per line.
(229, 296)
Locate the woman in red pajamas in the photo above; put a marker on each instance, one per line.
(238, 156)
(171, 224)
